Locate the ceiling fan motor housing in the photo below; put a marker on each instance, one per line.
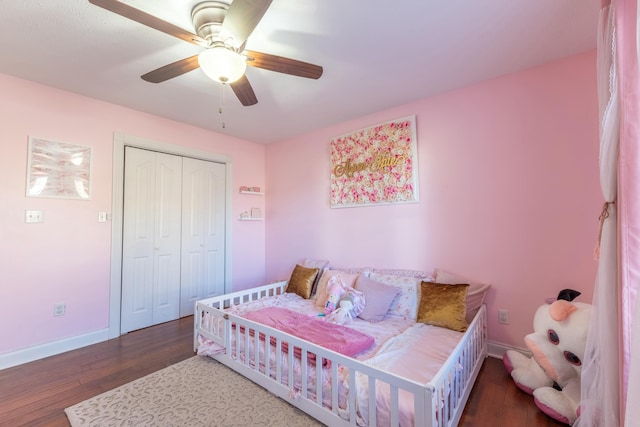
(207, 19)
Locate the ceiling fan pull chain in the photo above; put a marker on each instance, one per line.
(221, 105)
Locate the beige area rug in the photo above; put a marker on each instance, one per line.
(196, 392)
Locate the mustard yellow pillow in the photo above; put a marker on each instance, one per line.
(301, 281)
(443, 305)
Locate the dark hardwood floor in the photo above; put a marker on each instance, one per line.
(36, 393)
(495, 401)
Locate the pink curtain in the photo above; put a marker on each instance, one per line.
(611, 371)
(629, 207)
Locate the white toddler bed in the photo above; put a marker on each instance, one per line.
(415, 374)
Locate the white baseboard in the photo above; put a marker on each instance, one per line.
(497, 350)
(49, 349)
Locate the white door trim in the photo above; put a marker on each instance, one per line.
(121, 140)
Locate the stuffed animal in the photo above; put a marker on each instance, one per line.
(342, 314)
(558, 342)
(335, 292)
(343, 302)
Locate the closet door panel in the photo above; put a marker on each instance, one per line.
(151, 239)
(138, 240)
(167, 238)
(215, 232)
(193, 217)
(203, 196)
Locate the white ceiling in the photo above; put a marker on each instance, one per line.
(376, 55)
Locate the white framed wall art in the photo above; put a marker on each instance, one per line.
(58, 170)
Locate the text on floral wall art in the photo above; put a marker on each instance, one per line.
(375, 165)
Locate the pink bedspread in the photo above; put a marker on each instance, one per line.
(338, 338)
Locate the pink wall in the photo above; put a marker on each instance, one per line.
(509, 193)
(67, 258)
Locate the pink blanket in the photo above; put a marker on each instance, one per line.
(338, 338)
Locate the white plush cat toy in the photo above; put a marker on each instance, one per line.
(557, 344)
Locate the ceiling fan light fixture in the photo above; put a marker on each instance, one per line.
(222, 64)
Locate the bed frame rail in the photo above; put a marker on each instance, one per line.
(296, 370)
(463, 365)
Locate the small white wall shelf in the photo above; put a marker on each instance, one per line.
(256, 213)
(255, 191)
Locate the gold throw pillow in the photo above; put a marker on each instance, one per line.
(443, 305)
(301, 281)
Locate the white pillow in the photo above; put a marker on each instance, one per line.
(406, 303)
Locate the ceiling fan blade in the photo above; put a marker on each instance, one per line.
(243, 90)
(283, 65)
(243, 17)
(144, 18)
(172, 70)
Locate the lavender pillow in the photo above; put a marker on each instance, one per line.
(377, 298)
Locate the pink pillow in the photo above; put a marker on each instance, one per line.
(321, 292)
(320, 264)
(475, 296)
(377, 298)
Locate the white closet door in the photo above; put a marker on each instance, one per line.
(203, 232)
(151, 239)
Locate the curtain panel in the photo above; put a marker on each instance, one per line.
(599, 404)
(629, 206)
(611, 366)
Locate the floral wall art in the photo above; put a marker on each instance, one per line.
(375, 165)
(58, 169)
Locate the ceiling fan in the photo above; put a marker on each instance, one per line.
(222, 28)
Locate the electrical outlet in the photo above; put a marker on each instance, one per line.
(59, 309)
(34, 216)
(503, 316)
